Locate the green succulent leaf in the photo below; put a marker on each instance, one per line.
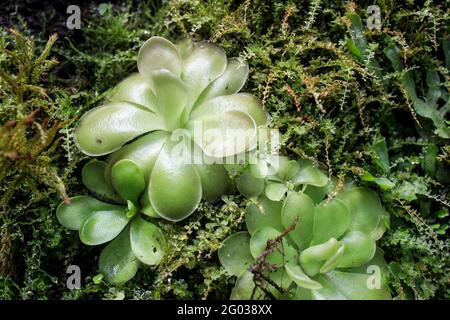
(313, 258)
(147, 241)
(331, 220)
(259, 240)
(171, 97)
(263, 213)
(203, 65)
(175, 188)
(288, 169)
(339, 285)
(103, 226)
(333, 261)
(215, 180)
(243, 102)
(309, 175)
(365, 209)
(244, 288)
(297, 275)
(318, 194)
(299, 206)
(276, 191)
(128, 179)
(135, 89)
(158, 53)
(185, 47)
(258, 243)
(117, 261)
(235, 255)
(248, 185)
(146, 206)
(266, 167)
(72, 215)
(383, 225)
(359, 249)
(106, 128)
(144, 152)
(232, 133)
(93, 176)
(230, 82)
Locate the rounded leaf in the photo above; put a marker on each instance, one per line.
(135, 89)
(215, 180)
(276, 191)
(244, 288)
(231, 81)
(144, 152)
(232, 133)
(235, 255)
(287, 169)
(243, 102)
(103, 226)
(248, 185)
(300, 278)
(318, 194)
(299, 206)
(309, 175)
(175, 187)
(203, 65)
(147, 242)
(339, 285)
(128, 179)
(93, 176)
(263, 213)
(359, 249)
(313, 258)
(331, 220)
(259, 238)
(146, 206)
(171, 97)
(72, 215)
(106, 128)
(117, 261)
(365, 209)
(158, 53)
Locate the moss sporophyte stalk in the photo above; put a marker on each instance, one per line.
(169, 134)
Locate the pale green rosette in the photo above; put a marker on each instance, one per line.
(185, 97)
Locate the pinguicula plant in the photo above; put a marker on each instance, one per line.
(134, 239)
(183, 102)
(167, 132)
(181, 93)
(305, 246)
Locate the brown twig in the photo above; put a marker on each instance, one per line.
(260, 266)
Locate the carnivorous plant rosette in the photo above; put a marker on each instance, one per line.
(326, 248)
(185, 96)
(135, 240)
